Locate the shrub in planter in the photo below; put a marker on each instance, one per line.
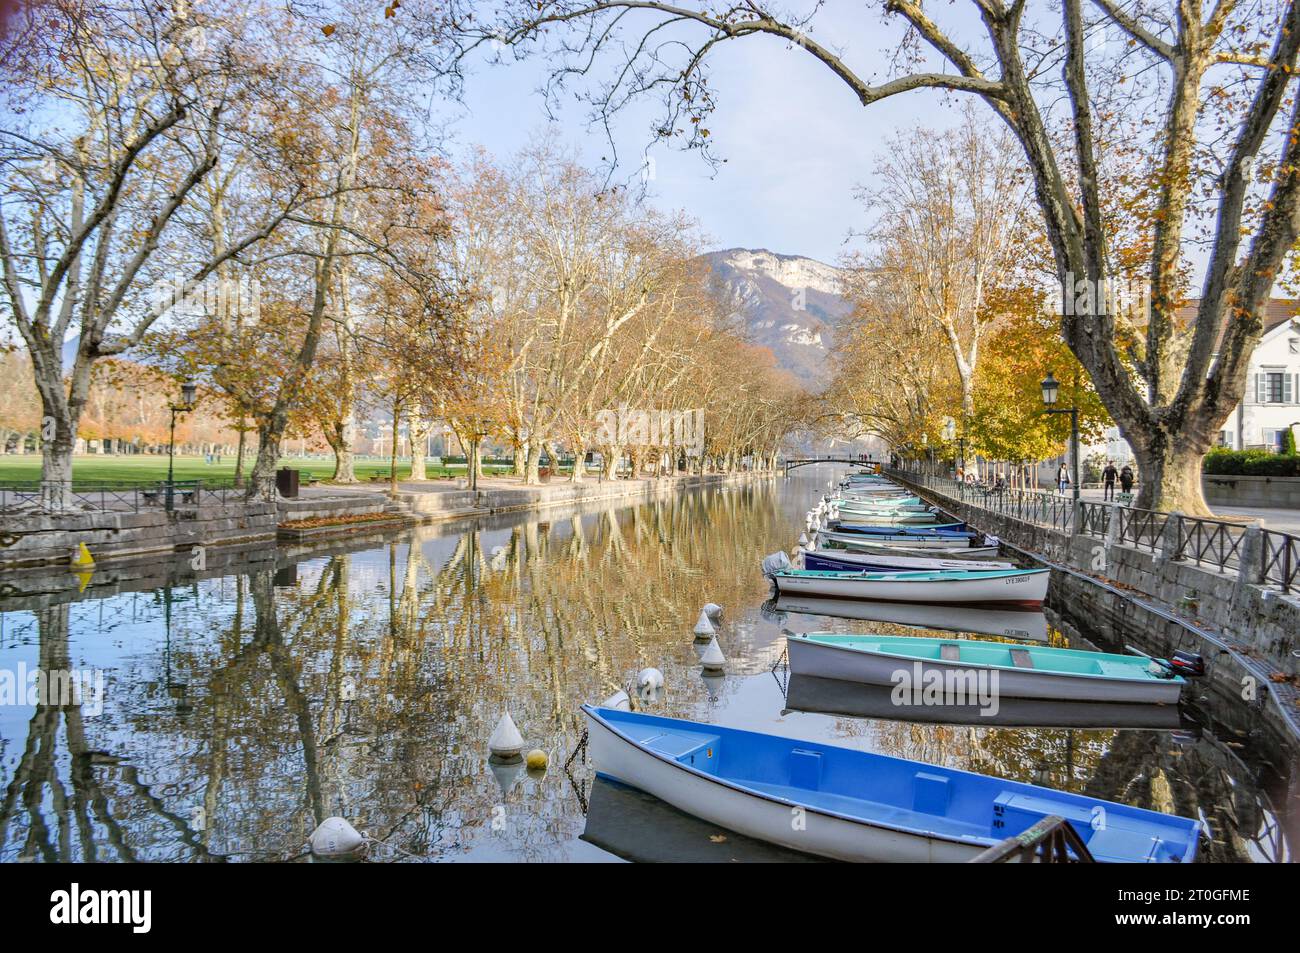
(1223, 462)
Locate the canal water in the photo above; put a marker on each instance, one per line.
(224, 718)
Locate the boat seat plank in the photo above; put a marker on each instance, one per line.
(930, 793)
(950, 652)
(805, 769)
(1021, 658)
(1117, 844)
(1120, 669)
(872, 810)
(677, 744)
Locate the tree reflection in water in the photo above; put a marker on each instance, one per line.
(240, 713)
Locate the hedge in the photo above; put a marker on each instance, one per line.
(1251, 463)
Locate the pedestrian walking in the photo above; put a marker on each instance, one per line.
(1108, 477)
(1062, 479)
(1126, 479)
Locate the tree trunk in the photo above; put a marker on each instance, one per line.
(474, 462)
(261, 481)
(240, 451)
(1171, 477)
(532, 459)
(417, 430)
(340, 435)
(392, 456)
(56, 468)
(61, 407)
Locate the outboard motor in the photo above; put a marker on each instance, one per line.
(1187, 664)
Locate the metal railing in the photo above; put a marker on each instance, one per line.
(1206, 542)
(1050, 840)
(49, 496)
(1281, 560)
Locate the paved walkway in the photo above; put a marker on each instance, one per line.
(1285, 521)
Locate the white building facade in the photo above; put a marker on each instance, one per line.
(1272, 402)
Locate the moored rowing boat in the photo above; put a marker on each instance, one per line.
(1010, 586)
(1022, 671)
(857, 805)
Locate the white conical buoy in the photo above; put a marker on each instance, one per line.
(713, 660)
(803, 539)
(335, 837)
(704, 628)
(619, 701)
(713, 611)
(506, 742)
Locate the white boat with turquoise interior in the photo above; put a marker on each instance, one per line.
(1023, 671)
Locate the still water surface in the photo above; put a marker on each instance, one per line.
(240, 710)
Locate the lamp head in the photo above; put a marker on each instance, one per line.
(1051, 388)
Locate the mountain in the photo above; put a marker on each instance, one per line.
(790, 304)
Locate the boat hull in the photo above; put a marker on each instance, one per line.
(850, 665)
(919, 520)
(1025, 624)
(847, 561)
(912, 541)
(837, 697)
(946, 531)
(762, 818)
(855, 805)
(1024, 589)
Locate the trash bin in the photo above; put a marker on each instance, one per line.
(286, 482)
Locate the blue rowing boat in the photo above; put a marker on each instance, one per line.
(858, 805)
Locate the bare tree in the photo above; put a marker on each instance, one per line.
(947, 207)
(102, 156)
(1219, 78)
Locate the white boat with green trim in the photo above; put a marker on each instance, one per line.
(1022, 671)
(1025, 587)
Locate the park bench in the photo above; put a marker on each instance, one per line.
(159, 495)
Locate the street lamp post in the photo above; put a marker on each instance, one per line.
(1051, 389)
(188, 389)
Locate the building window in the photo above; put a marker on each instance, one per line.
(1293, 345)
(1273, 440)
(1273, 387)
(1225, 438)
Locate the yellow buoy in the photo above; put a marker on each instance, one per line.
(82, 556)
(536, 760)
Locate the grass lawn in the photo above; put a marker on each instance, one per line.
(146, 468)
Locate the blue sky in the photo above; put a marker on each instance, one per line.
(796, 139)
